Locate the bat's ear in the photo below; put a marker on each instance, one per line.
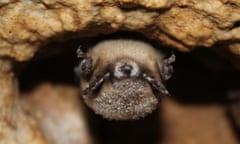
(85, 64)
(166, 69)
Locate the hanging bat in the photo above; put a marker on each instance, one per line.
(123, 79)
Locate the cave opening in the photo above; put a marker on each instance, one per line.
(195, 81)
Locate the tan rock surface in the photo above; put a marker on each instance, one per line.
(15, 126)
(195, 124)
(58, 113)
(25, 25)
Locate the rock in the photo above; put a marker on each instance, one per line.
(195, 124)
(58, 113)
(26, 25)
(15, 126)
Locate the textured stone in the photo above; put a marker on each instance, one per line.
(26, 25)
(58, 113)
(15, 126)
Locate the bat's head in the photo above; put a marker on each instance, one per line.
(124, 79)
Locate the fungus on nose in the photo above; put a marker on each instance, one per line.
(127, 68)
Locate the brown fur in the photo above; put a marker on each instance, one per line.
(129, 98)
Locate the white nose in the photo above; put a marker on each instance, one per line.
(126, 69)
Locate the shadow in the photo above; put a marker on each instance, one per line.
(202, 77)
(142, 131)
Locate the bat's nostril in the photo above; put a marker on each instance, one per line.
(126, 69)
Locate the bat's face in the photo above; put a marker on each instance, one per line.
(122, 82)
